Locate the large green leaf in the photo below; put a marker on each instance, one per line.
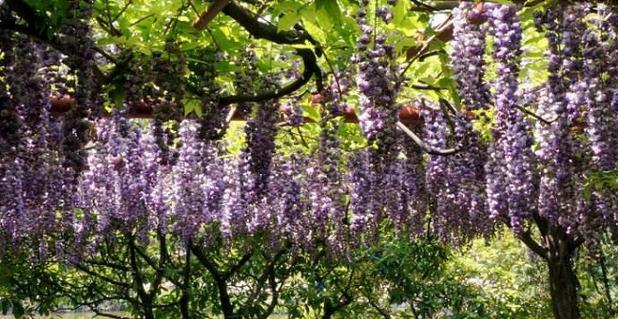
(328, 12)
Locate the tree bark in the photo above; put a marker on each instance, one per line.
(563, 287)
(557, 248)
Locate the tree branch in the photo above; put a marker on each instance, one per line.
(210, 13)
(205, 262)
(534, 115)
(527, 239)
(137, 276)
(311, 68)
(424, 146)
(260, 30)
(106, 279)
(186, 278)
(226, 305)
(235, 268)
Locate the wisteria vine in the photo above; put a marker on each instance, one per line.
(65, 196)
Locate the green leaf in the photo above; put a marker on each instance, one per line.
(328, 10)
(223, 40)
(314, 29)
(312, 112)
(287, 21)
(399, 13)
(193, 106)
(405, 43)
(117, 95)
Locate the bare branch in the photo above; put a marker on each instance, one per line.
(210, 13)
(311, 68)
(527, 239)
(424, 146)
(260, 30)
(536, 116)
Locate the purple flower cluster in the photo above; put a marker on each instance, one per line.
(244, 80)
(30, 160)
(414, 191)
(214, 120)
(435, 134)
(495, 181)
(557, 196)
(293, 112)
(599, 75)
(188, 181)
(439, 187)
(287, 192)
(468, 176)
(467, 58)
(514, 139)
(260, 132)
(124, 187)
(601, 120)
(361, 195)
(326, 188)
(75, 37)
(377, 79)
(455, 184)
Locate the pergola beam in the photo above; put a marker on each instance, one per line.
(62, 104)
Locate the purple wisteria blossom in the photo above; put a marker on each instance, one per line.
(361, 195)
(514, 138)
(377, 78)
(467, 58)
(561, 102)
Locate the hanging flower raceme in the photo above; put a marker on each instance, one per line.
(293, 112)
(560, 102)
(468, 176)
(260, 133)
(157, 178)
(214, 121)
(469, 70)
(244, 80)
(600, 75)
(377, 79)
(76, 37)
(436, 170)
(513, 137)
(288, 202)
(435, 134)
(414, 192)
(453, 184)
(361, 195)
(600, 118)
(30, 160)
(326, 189)
(467, 57)
(189, 179)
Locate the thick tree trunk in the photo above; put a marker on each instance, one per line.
(226, 305)
(563, 286)
(148, 310)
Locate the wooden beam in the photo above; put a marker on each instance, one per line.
(204, 19)
(62, 104)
